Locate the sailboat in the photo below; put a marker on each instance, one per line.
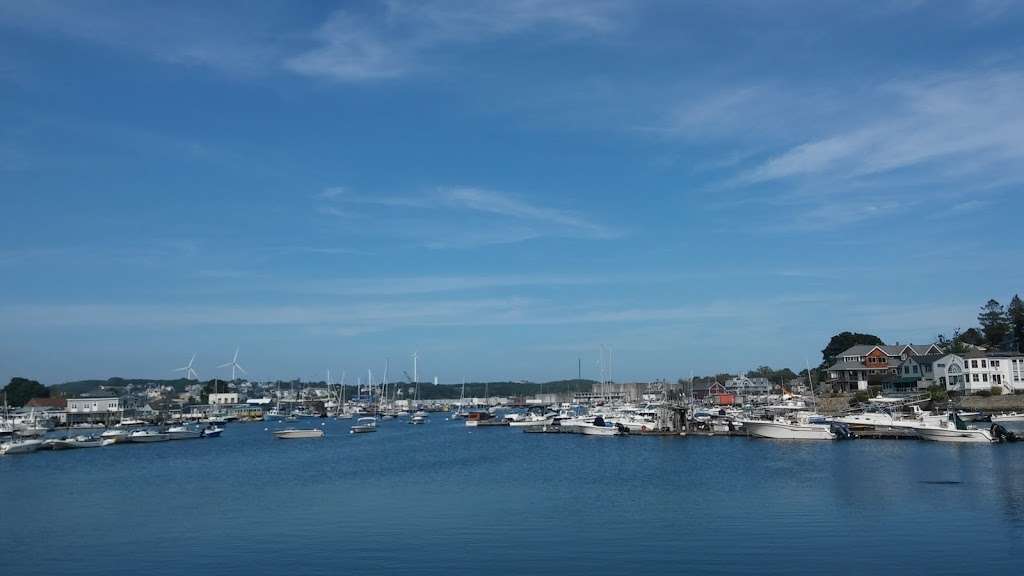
(461, 412)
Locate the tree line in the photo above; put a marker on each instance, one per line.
(1000, 328)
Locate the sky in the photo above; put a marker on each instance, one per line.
(502, 188)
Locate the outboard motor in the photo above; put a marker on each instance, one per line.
(1001, 434)
(841, 430)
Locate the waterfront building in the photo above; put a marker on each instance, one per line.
(218, 398)
(863, 365)
(994, 370)
(89, 409)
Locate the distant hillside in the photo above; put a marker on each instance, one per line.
(78, 387)
(427, 390)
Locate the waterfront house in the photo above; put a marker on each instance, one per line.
(743, 386)
(92, 409)
(994, 370)
(219, 398)
(862, 365)
(923, 372)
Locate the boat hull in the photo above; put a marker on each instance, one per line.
(25, 447)
(298, 434)
(780, 431)
(954, 435)
(147, 438)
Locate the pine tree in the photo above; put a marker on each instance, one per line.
(994, 323)
(1015, 311)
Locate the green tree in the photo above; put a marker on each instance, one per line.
(21, 390)
(994, 323)
(845, 340)
(1015, 311)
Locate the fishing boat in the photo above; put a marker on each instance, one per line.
(529, 420)
(115, 435)
(148, 436)
(297, 433)
(953, 429)
(482, 418)
(20, 446)
(1009, 417)
(183, 433)
(801, 427)
(598, 427)
(364, 425)
(87, 442)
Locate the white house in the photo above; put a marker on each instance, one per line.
(224, 398)
(1001, 370)
(946, 370)
(93, 405)
(744, 385)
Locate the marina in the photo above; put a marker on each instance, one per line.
(705, 501)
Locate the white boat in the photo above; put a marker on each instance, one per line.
(20, 446)
(148, 436)
(129, 422)
(115, 435)
(182, 433)
(952, 434)
(87, 441)
(598, 427)
(800, 427)
(297, 433)
(212, 431)
(420, 417)
(529, 420)
(364, 425)
(953, 429)
(1009, 417)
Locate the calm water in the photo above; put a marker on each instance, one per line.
(445, 499)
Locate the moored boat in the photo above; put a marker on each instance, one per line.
(20, 446)
(364, 425)
(298, 433)
(182, 433)
(148, 436)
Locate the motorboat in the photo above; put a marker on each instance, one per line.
(20, 446)
(1009, 417)
(297, 433)
(148, 436)
(481, 418)
(364, 425)
(420, 417)
(953, 429)
(598, 427)
(529, 420)
(87, 442)
(794, 426)
(115, 435)
(212, 431)
(129, 422)
(183, 433)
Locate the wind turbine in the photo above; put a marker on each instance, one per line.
(190, 374)
(234, 365)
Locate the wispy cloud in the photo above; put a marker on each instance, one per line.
(355, 48)
(496, 217)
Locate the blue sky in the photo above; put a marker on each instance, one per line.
(701, 186)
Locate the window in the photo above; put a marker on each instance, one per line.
(984, 364)
(974, 363)
(940, 365)
(942, 380)
(995, 363)
(915, 368)
(975, 377)
(984, 377)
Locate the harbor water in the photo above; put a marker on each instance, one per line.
(446, 499)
